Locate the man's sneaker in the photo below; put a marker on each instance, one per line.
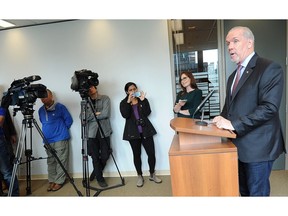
(102, 183)
(140, 181)
(154, 178)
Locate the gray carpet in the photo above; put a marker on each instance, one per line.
(116, 187)
(151, 198)
(278, 179)
(279, 183)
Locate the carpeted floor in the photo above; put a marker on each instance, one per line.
(128, 199)
(126, 187)
(279, 183)
(116, 187)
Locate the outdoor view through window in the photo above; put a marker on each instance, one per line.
(195, 50)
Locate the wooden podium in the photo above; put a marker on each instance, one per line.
(203, 162)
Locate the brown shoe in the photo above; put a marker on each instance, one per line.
(56, 187)
(50, 186)
(4, 185)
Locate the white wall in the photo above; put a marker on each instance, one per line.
(119, 51)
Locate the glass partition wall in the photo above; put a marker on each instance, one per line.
(195, 50)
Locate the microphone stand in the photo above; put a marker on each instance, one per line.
(201, 122)
(201, 108)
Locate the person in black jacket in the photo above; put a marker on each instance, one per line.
(139, 130)
(10, 134)
(6, 167)
(11, 139)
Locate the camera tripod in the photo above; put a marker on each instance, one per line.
(86, 181)
(29, 159)
(28, 122)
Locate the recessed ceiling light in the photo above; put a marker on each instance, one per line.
(192, 27)
(6, 24)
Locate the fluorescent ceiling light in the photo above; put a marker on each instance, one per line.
(6, 24)
(179, 38)
(176, 25)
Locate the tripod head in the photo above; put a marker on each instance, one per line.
(84, 94)
(26, 109)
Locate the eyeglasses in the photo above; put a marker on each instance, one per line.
(184, 78)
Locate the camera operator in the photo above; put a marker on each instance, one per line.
(56, 122)
(139, 130)
(98, 144)
(11, 139)
(5, 163)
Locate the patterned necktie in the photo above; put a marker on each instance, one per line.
(238, 75)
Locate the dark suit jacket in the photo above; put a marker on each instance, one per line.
(254, 111)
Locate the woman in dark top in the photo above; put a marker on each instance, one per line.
(139, 130)
(189, 98)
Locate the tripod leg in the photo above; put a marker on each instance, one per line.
(18, 156)
(52, 151)
(28, 153)
(86, 181)
(84, 134)
(110, 152)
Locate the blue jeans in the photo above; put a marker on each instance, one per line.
(254, 178)
(6, 168)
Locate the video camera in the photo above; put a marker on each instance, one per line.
(25, 94)
(83, 80)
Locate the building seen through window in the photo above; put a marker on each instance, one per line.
(195, 50)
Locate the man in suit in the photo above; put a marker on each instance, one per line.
(251, 110)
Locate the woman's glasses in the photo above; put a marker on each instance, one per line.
(184, 78)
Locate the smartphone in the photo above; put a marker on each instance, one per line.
(137, 94)
(183, 100)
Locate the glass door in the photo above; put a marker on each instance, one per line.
(195, 50)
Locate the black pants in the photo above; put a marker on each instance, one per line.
(12, 157)
(148, 144)
(99, 150)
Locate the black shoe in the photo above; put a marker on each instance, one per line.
(3, 193)
(92, 176)
(102, 183)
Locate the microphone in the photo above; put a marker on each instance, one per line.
(25, 81)
(32, 78)
(201, 122)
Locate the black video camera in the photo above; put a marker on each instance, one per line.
(83, 80)
(25, 94)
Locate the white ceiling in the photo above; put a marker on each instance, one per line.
(19, 23)
(198, 34)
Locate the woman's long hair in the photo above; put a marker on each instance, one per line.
(193, 83)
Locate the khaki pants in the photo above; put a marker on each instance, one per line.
(55, 172)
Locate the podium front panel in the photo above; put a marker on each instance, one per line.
(204, 169)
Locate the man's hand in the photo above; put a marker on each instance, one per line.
(6, 101)
(223, 123)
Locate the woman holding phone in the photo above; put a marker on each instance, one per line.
(189, 98)
(138, 130)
